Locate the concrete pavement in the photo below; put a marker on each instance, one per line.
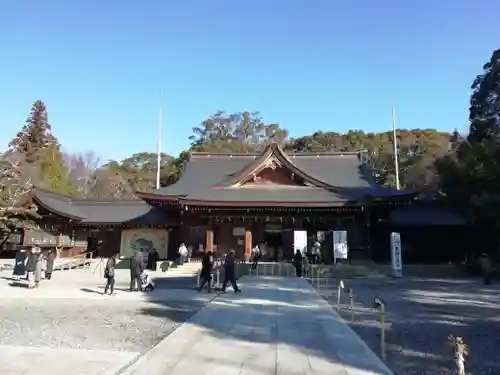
(276, 326)
(85, 284)
(23, 360)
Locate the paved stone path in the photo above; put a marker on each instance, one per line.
(22, 360)
(276, 326)
(86, 284)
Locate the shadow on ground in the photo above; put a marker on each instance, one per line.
(280, 318)
(421, 314)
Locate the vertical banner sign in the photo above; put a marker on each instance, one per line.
(396, 258)
(300, 241)
(340, 249)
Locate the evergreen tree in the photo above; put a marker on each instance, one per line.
(54, 173)
(35, 135)
(484, 113)
(471, 174)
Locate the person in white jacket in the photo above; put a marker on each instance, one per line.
(183, 253)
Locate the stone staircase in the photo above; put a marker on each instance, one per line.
(187, 269)
(72, 263)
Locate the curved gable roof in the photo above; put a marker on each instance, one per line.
(274, 150)
(91, 211)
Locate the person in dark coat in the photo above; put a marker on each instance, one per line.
(206, 271)
(109, 274)
(229, 273)
(20, 263)
(136, 268)
(297, 263)
(485, 264)
(153, 257)
(50, 257)
(31, 268)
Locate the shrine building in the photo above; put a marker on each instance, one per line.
(227, 201)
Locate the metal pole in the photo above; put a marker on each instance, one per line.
(317, 278)
(339, 293)
(351, 303)
(160, 136)
(395, 144)
(380, 305)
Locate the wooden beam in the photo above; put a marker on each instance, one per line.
(248, 244)
(209, 240)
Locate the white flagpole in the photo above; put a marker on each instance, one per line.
(158, 162)
(395, 144)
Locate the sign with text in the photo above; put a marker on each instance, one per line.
(340, 248)
(396, 257)
(300, 241)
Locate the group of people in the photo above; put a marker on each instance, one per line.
(229, 266)
(33, 264)
(300, 261)
(140, 278)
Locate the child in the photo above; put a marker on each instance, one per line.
(147, 282)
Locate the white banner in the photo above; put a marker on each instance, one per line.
(300, 241)
(340, 248)
(396, 258)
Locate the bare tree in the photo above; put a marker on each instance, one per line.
(14, 186)
(82, 168)
(112, 183)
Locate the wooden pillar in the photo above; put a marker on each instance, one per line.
(209, 240)
(248, 244)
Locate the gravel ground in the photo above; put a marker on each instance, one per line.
(421, 314)
(90, 324)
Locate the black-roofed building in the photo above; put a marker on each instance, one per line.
(234, 201)
(105, 227)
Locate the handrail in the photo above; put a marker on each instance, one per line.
(66, 262)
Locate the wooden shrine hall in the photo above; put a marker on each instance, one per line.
(231, 201)
(234, 201)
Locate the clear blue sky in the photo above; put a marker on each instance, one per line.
(308, 65)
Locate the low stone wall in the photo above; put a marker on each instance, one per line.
(427, 270)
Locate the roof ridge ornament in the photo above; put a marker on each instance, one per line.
(272, 162)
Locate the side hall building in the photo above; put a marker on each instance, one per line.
(229, 201)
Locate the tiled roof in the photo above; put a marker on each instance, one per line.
(86, 211)
(336, 177)
(262, 195)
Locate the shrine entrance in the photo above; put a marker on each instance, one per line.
(273, 239)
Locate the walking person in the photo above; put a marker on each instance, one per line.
(49, 265)
(20, 264)
(109, 274)
(256, 254)
(31, 268)
(136, 269)
(38, 266)
(207, 265)
(153, 257)
(297, 262)
(316, 252)
(229, 273)
(306, 266)
(486, 268)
